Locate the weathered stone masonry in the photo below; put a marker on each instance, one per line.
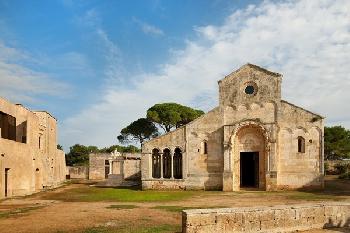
(281, 218)
(252, 139)
(124, 166)
(30, 160)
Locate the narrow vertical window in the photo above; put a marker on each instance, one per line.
(178, 164)
(205, 147)
(301, 144)
(39, 142)
(156, 163)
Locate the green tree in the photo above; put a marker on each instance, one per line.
(170, 115)
(125, 149)
(336, 142)
(139, 130)
(79, 154)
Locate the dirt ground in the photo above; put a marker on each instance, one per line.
(66, 209)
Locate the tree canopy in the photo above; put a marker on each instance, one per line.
(170, 115)
(125, 149)
(336, 142)
(139, 130)
(79, 154)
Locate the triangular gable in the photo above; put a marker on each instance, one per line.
(251, 66)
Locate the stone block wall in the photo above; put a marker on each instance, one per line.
(163, 184)
(30, 161)
(132, 169)
(270, 219)
(97, 166)
(78, 172)
(128, 165)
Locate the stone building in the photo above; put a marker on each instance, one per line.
(29, 158)
(115, 168)
(252, 139)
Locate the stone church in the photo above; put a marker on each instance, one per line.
(253, 139)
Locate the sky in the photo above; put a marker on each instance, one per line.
(99, 65)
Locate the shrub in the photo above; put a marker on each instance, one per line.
(342, 168)
(326, 168)
(345, 176)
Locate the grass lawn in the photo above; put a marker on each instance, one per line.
(18, 211)
(93, 194)
(85, 193)
(82, 208)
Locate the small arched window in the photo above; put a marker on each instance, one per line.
(204, 147)
(156, 163)
(301, 144)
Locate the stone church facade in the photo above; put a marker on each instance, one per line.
(253, 139)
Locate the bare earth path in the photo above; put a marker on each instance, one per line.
(82, 208)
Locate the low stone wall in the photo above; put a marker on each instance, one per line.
(163, 184)
(78, 172)
(282, 218)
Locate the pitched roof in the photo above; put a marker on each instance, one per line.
(249, 65)
(318, 115)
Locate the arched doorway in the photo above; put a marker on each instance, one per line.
(249, 156)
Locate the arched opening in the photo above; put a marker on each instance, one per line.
(178, 164)
(166, 164)
(155, 163)
(301, 144)
(38, 184)
(249, 152)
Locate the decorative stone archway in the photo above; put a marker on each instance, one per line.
(248, 137)
(247, 140)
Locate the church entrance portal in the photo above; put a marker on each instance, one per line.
(249, 167)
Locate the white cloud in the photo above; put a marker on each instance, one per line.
(148, 28)
(307, 41)
(112, 55)
(20, 83)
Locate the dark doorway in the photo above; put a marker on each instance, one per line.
(6, 181)
(107, 168)
(249, 162)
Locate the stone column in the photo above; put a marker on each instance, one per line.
(228, 170)
(271, 173)
(110, 167)
(172, 165)
(161, 166)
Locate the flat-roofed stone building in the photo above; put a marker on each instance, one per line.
(29, 158)
(252, 139)
(115, 169)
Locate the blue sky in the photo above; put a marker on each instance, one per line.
(98, 65)
(62, 38)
